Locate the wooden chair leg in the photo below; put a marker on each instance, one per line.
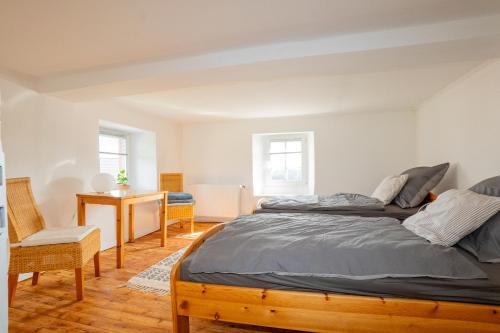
(181, 223)
(97, 268)
(79, 283)
(192, 225)
(12, 287)
(34, 279)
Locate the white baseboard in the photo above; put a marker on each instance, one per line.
(212, 219)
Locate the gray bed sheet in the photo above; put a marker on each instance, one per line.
(313, 203)
(391, 210)
(481, 291)
(327, 245)
(273, 234)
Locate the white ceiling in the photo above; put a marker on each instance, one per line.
(45, 37)
(194, 60)
(382, 91)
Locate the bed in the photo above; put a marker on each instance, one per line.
(398, 196)
(465, 298)
(338, 204)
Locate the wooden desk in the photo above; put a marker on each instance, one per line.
(122, 199)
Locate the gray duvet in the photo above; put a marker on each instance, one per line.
(339, 201)
(393, 211)
(319, 245)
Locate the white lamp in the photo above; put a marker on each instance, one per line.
(103, 182)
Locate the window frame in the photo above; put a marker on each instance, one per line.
(117, 134)
(285, 137)
(263, 185)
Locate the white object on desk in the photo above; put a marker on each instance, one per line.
(103, 182)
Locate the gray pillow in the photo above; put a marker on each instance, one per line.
(484, 243)
(490, 186)
(421, 181)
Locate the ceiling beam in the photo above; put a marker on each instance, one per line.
(110, 81)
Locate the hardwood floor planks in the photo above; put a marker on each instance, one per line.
(108, 305)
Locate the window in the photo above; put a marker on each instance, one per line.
(113, 153)
(285, 160)
(283, 163)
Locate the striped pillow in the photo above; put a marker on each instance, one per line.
(454, 215)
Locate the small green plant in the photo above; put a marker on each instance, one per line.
(121, 178)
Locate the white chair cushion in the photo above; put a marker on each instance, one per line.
(54, 236)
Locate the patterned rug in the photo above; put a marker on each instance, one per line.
(156, 279)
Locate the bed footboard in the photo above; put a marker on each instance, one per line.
(181, 322)
(321, 312)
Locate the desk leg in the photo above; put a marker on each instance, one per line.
(81, 211)
(131, 223)
(120, 249)
(163, 220)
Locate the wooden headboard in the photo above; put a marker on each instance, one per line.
(172, 182)
(431, 197)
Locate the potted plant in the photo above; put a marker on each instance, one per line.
(122, 180)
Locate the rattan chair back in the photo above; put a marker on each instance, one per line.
(25, 218)
(172, 182)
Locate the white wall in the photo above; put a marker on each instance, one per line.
(461, 125)
(56, 144)
(353, 151)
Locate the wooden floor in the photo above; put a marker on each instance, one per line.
(108, 305)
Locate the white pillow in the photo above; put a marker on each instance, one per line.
(454, 215)
(389, 188)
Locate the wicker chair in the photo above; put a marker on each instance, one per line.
(35, 248)
(173, 182)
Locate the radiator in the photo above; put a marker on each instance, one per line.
(217, 202)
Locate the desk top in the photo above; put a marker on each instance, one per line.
(121, 194)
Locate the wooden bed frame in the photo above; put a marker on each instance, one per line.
(320, 312)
